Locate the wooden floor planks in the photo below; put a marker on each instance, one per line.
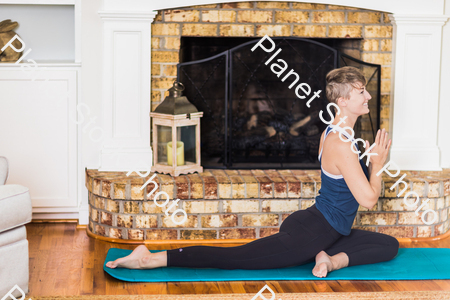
(64, 261)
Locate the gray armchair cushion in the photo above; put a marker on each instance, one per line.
(15, 206)
(14, 267)
(4, 166)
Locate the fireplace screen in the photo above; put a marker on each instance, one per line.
(252, 119)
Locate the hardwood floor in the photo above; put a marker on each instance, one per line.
(64, 261)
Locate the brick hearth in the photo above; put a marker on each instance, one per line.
(248, 204)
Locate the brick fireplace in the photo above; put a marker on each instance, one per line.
(248, 204)
(256, 19)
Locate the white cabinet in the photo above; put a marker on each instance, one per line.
(38, 134)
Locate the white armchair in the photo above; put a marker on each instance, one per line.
(15, 212)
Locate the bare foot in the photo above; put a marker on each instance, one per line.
(323, 264)
(138, 259)
(326, 263)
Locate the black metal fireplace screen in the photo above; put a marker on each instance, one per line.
(251, 119)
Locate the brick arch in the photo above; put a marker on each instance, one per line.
(399, 6)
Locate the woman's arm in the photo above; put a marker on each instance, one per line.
(374, 180)
(366, 192)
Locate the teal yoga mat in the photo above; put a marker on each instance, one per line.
(409, 264)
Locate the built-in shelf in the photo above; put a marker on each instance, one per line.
(47, 28)
(40, 2)
(43, 63)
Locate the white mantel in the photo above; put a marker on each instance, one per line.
(126, 90)
(417, 64)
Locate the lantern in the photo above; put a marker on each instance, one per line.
(176, 134)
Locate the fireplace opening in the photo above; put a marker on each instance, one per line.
(251, 118)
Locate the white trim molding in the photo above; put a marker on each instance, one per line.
(125, 90)
(415, 97)
(131, 16)
(419, 19)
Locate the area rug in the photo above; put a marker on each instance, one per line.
(425, 295)
(409, 264)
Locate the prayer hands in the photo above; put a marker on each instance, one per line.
(382, 146)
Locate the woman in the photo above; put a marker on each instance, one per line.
(323, 231)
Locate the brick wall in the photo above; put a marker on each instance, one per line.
(248, 204)
(256, 19)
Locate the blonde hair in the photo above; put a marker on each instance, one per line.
(340, 82)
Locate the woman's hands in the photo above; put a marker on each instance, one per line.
(382, 146)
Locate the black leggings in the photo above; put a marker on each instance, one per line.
(302, 235)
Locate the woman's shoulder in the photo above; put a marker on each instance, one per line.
(335, 146)
(332, 136)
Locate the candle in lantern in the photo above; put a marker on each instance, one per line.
(180, 153)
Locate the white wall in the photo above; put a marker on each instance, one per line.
(91, 79)
(444, 103)
(91, 95)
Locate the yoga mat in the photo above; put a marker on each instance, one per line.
(409, 264)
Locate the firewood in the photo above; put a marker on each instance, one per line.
(296, 125)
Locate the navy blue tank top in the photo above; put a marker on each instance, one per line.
(335, 201)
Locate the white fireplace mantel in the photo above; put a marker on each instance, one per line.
(125, 90)
(415, 105)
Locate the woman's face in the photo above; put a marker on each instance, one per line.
(358, 101)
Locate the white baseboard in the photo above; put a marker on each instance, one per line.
(51, 213)
(56, 209)
(53, 216)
